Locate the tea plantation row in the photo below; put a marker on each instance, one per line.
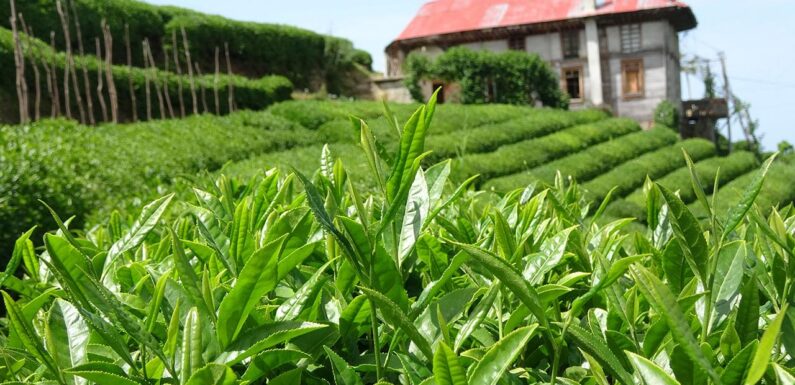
(81, 170)
(295, 279)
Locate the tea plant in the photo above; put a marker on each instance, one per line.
(289, 279)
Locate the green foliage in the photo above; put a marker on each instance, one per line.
(489, 137)
(286, 279)
(78, 169)
(725, 168)
(249, 93)
(630, 175)
(525, 155)
(667, 115)
(589, 163)
(256, 49)
(486, 77)
(777, 190)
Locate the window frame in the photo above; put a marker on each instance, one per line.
(564, 82)
(626, 65)
(572, 33)
(622, 34)
(517, 43)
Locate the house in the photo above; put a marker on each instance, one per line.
(619, 54)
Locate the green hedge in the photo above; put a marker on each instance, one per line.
(79, 169)
(525, 155)
(306, 160)
(314, 113)
(256, 49)
(589, 163)
(776, 191)
(512, 77)
(486, 138)
(331, 118)
(249, 94)
(731, 167)
(630, 175)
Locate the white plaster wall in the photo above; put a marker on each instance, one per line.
(547, 46)
(653, 34)
(431, 51)
(489, 45)
(655, 86)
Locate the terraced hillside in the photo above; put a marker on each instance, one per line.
(80, 169)
(513, 147)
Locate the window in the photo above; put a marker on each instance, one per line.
(572, 83)
(630, 38)
(570, 44)
(516, 43)
(632, 77)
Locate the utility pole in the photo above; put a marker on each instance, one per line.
(729, 97)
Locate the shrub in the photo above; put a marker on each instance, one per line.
(256, 49)
(588, 163)
(249, 93)
(314, 113)
(486, 77)
(630, 175)
(732, 166)
(513, 158)
(78, 169)
(666, 114)
(777, 189)
(486, 138)
(296, 280)
(332, 118)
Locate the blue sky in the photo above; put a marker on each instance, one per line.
(757, 37)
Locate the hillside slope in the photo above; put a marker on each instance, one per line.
(80, 169)
(307, 58)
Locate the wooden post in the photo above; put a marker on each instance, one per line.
(86, 82)
(114, 101)
(56, 92)
(175, 47)
(19, 63)
(729, 100)
(48, 75)
(165, 84)
(33, 58)
(100, 96)
(188, 62)
(201, 87)
(146, 82)
(155, 78)
(230, 80)
(130, 84)
(69, 71)
(215, 83)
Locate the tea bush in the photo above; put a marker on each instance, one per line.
(489, 137)
(629, 176)
(256, 49)
(587, 164)
(249, 93)
(727, 168)
(78, 169)
(525, 155)
(777, 189)
(296, 280)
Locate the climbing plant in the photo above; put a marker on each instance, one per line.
(488, 77)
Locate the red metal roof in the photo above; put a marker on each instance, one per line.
(439, 17)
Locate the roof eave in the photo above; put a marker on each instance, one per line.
(682, 18)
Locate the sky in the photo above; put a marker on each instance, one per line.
(757, 37)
